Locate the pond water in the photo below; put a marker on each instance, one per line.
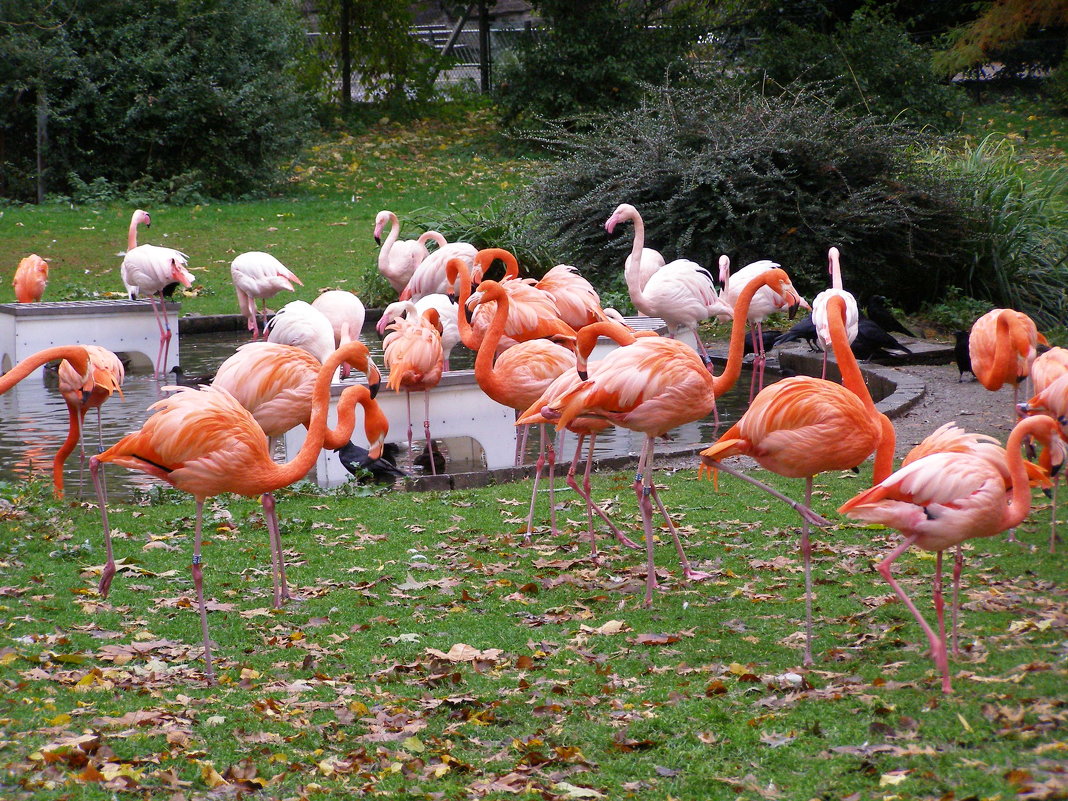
(33, 421)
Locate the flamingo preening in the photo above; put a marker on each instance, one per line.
(259, 276)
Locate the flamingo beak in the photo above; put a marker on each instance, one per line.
(374, 450)
(374, 378)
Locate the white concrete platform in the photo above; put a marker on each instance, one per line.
(125, 327)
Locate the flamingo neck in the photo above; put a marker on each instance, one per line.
(337, 436)
(836, 270)
(74, 432)
(131, 236)
(733, 368)
(1041, 427)
(852, 378)
(587, 336)
(394, 231)
(484, 359)
(467, 333)
(77, 355)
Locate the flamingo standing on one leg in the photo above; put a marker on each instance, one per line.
(652, 386)
(205, 443)
(276, 384)
(397, 259)
(763, 306)
(448, 311)
(149, 270)
(803, 426)
(412, 352)
(346, 314)
(82, 393)
(944, 499)
(1002, 345)
(31, 278)
(259, 276)
(819, 308)
(641, 262)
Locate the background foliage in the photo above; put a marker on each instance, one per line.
(175, 99)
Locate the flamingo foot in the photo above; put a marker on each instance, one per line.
(696, 575)
(625, 541)
(106, 575)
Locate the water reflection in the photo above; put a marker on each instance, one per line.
(34, 421)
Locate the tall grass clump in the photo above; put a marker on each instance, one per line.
(1018, 245)
(726, 170)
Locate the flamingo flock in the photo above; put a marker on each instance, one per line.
(533, 341)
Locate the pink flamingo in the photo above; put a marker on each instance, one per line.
(576, 300)
(205, 443)
(397, 259)
(944, 499)
(413, 353)
(346, 314)
(429, 277)
(448, 311)
(259, 276)
(150, 270)
(641, 262)
(1051, 399)
(300, 324)
(652, 386)
(1002, 346)
(31, 278)
(819, 308)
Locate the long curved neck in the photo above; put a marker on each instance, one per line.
(836, 269)
(74, 432)
(487, 256)
(340, 434)
(75, 354)
(1011, 343)
(586, 339)
(299, 466)
(729, 377)
(467, 334)
(131, 236)
(1041, 427)
(852, 378)
(484, 373)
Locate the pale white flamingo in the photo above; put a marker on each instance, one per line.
(259, 276)
(398, 258)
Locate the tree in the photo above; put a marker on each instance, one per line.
(1002, 24)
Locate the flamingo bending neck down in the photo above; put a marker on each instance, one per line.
(31, 278)
(944, 499)
(259, 276)
(652, 386)
(150, 270)
(205, 443)
(1003, 345)
(803, 426)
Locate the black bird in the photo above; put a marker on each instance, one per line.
(183, 380)
(770, 338)
(880, 313)
(383, 470)
(873, 342)
(962, 355)
(423, 460)
(802, 329)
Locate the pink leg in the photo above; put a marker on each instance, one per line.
(803, 510)
(411, 454)
(584, 492)
(278, 562)
(552, 483)
(1053, 516)
(426, 430)
(806, 558)
(521, 447)
(958, 563)
(108, 571)
(643, 489)
(936, 594)
(198, 582)
(537, 478)
(688, 572)
(938, 647)
(164, 333)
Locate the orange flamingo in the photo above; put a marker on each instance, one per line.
(1002, 346)
(31, 278)
(83, 392)
(149, 270)
(944, 499)
(397, 260)
(413, 353)
(448, 311)
(577, 301)
(641, 262)
(205, 443)
(819, 308)
(1051, 399)
(950, 438)
(518, 377)
(802, 426)
(652, 386)
(259, 276)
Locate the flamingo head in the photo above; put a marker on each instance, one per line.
(724, 270)
(434, 319)
(623, 211)
(180, 274)
(832, 261)
(457, 268)
(142, 217)
(780, 282)
(484, 260)
(374, 377)
(380, 223)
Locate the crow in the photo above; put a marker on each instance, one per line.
(770, 338)
(961, 355)
(879, 312)
(383, 470)
(183, 380)
(803, 329)
(873, 342)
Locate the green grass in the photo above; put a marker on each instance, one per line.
(341, 693)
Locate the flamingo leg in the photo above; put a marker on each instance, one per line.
(806, 557)
(537, 477)
(643, 489)
(687, 570)
(1053, 515)
(198, 582)
(108, 571)
(570, 479)
(552, 482)
(938, 646)
(426, 430)
(164, 332)
(411, 455)
(958, 563)
(278, 562)
(936, 595)
(584, 492)
(803, 510)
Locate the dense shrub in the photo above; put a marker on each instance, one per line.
(728, 171)
(1057, 86)
(869, 63)
(178, 97)
(593, 54)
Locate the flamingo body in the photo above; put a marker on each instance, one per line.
(300, 324)
(31, 278)
(259, 276)
(398, 258)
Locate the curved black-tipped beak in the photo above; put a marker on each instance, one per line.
(583, 375)
(378, 239)
(374, 388)
(793, 307)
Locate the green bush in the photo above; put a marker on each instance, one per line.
(592, 54)
(182, 98)
(869, 64)
(1057, 86)
(724, 170)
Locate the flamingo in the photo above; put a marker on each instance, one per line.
(259, 276)
(447, 310)
(276, 384)
(83, 392)
(819, 308)
(518, 377)
(412, 352)
(763, 306)
(300, 324)
(397, 260)
(802, 426)
(641, 262)
(205, 443)
(429, 277)
(1002, 345)
(950, 438)
(652, 386)
(1051, 399)
(346, 314)
(149, 270)
(31, 278)
(944, 499)
(577, 301)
